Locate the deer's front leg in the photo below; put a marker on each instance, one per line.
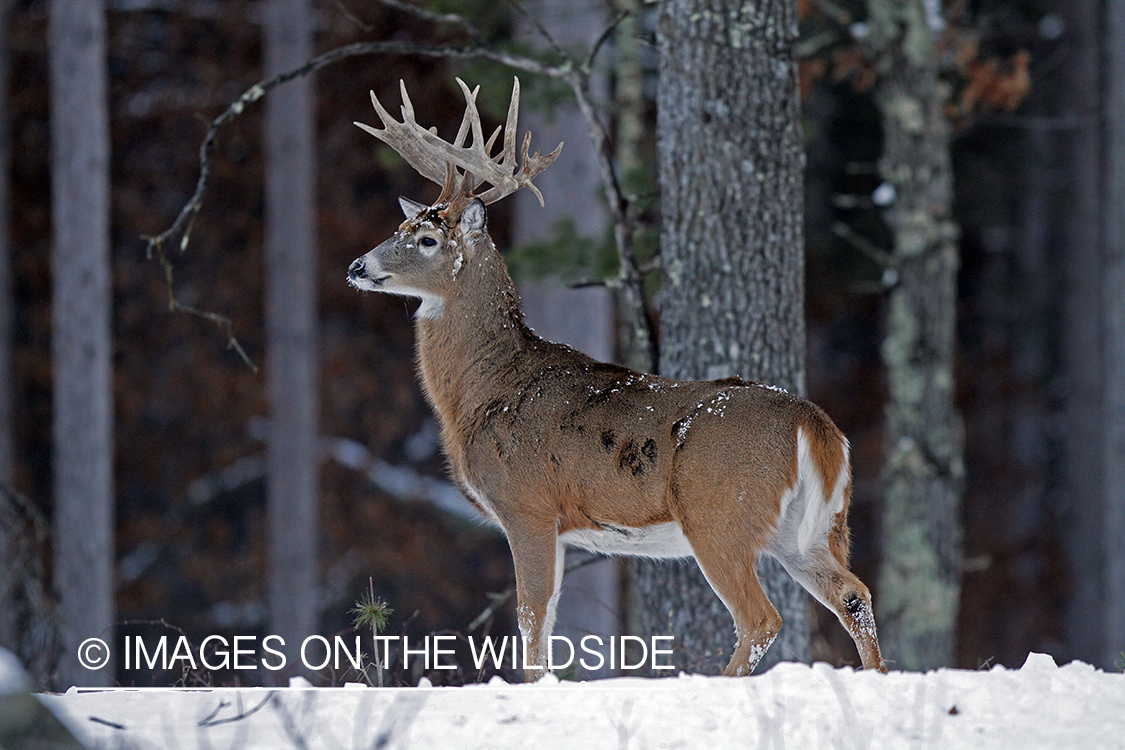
(538, 557)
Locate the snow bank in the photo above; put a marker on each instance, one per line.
(792, 705)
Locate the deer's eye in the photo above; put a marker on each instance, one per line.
(427, 242)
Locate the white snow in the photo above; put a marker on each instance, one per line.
(12, 677)
(790, 706)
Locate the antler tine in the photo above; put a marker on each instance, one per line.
(404, 138)
(472, 113)
(527, 164)
(530, 167)
(463, 131)
(448, 164)
(466, 123)
(508, 155)
(407, 105)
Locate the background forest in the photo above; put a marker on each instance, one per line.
(1027, 88)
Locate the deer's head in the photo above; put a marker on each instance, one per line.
(424, 257)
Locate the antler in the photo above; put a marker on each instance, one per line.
(461, 169)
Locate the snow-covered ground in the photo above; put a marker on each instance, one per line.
(790, 706)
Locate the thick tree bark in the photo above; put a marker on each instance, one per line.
(81, 337)
(732, 303)
(923, 466)
(7, 305)
(293, 451)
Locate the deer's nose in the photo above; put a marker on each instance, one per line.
(357, 270)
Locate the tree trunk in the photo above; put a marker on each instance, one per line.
(1081, 330)
(7, 307)
(923, 466)
(81, 337)
(293, 451)
(1093, 328)
(730, 159)
(1113, 298)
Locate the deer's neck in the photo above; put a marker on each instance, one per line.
(473, 348)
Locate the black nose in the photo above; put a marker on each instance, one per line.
(357, 270)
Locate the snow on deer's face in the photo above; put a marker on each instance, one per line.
(423, 258)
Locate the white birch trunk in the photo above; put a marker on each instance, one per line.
(81, 336)
(291, 329)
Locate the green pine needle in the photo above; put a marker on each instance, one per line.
(371, 611)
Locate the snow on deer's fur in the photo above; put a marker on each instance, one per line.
(560, 449)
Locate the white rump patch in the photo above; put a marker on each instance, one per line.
(660, 540)
(806, 518)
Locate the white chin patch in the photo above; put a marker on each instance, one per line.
(431, 306)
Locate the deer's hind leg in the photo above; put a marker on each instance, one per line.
(837, 588)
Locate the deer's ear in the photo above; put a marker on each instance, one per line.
(473, 218)
(410, 208)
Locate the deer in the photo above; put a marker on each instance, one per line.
(559, 449)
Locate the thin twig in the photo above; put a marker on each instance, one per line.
(174, 305)
(641, 329)
(211, 721)
(453, 18)
(367, 28)
(864, 245)
(181, 227)
(539, 27)
(498, 600)
(607, 32)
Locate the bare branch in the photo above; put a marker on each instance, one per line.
(211, 721)
(864, 245)
(640, 328)
(603, 37)
(363, 25)
(640, 325)
(452, 18)
(543, 32)
(174, 305)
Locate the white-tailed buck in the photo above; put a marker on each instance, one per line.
(560, 449)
